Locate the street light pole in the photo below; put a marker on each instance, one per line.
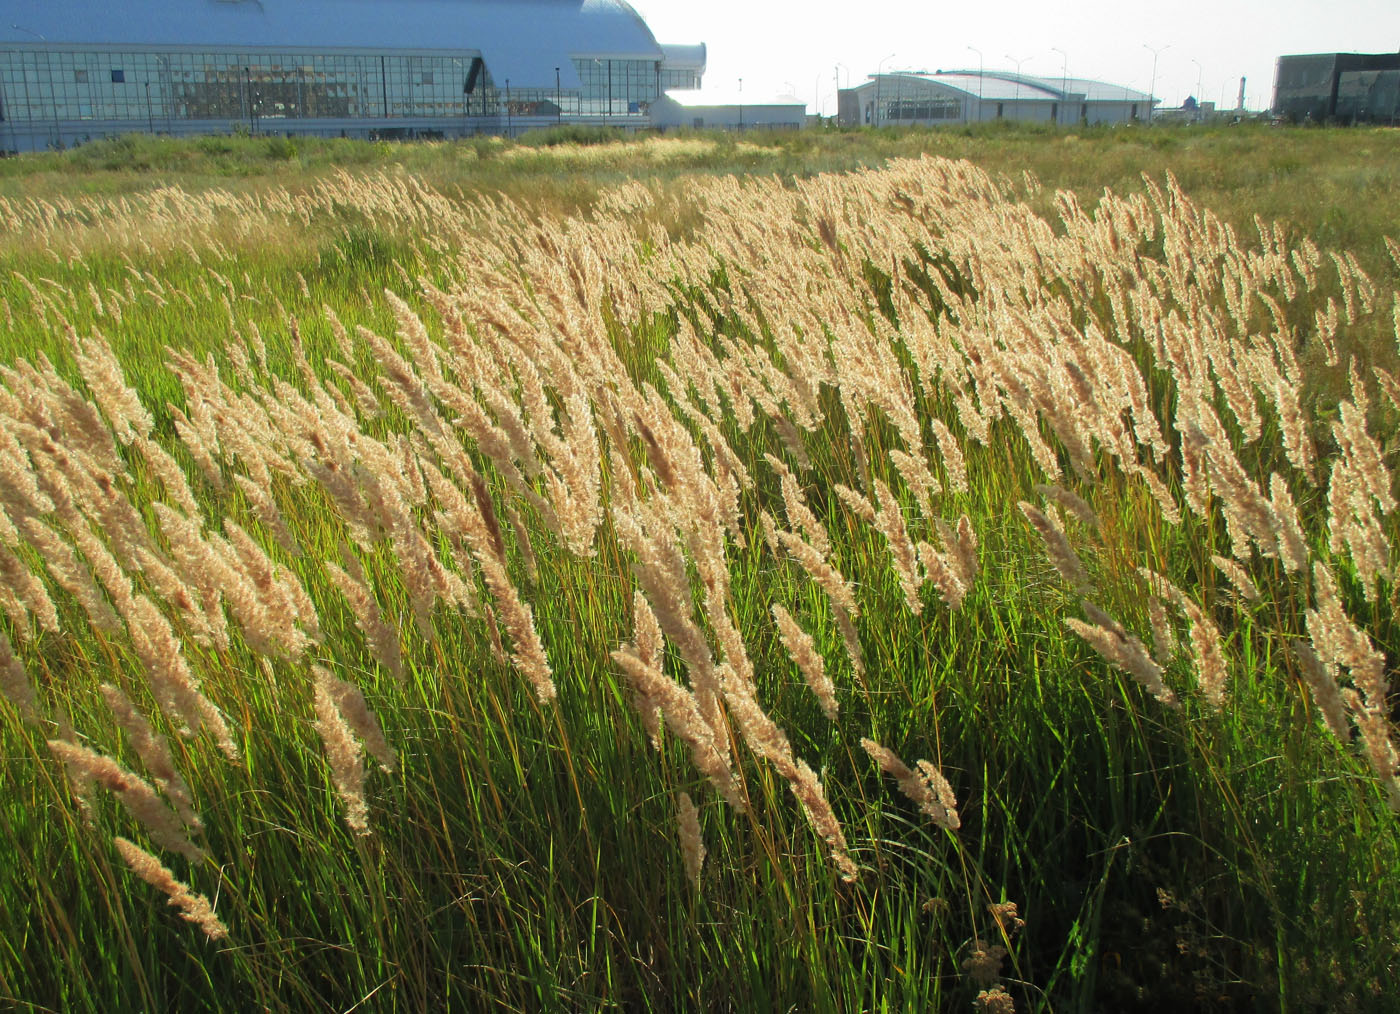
(1064, 76)
(741, 103)
(1016, 102)
(510, 127)
(1153, 86)
(1197, 96)
(558, 99)
(878, 68)
(979, 81)
(248, 96)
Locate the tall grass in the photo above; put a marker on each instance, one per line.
(906, 588)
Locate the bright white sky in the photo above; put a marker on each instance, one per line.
(785, 47)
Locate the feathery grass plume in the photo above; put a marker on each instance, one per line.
(382, 638)
(1360, 447)
(803, 651)
(104, 377)
(1122, 650)
(692, 845)
(945, 572)
(193, 907)
(1297, 443)
(522, 540)
(1062, 555)
(827, 576)
(1211, 671)
(25, 595)
(1072, 502)
(798, 513)
(14, 684)
(650, 648)
(1338, 640)
(683, 717)
(961, 544)
(136, 794)
(1326, 694)
(171, 475)
(851, 638)
(1353, 526)
(890, 522)
(1237, 576)
(916, 475)
(809, 792)
(154, 752)
(342, 752)
(483, 535)
(276, 617)
(350, 703)
(950, 452)
(927, 787)
(71, 574)
(858, 504)
(265, 509)
(173, 684)
(1292, 542)
(1164, 643)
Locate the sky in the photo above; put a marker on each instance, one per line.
(783, 47)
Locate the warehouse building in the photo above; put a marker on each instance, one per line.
(1338, 88)
(968, 96)
(733, 110)
(72, 70)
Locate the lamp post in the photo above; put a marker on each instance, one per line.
(741, 103)
(462, 71)
(979, 81)
(1197, 96)
(1153, 86)
(1064, 76)
(248, 93)
(167, 85)
(878, 67)
(1016, 102)
(558, 99)
(510, 127)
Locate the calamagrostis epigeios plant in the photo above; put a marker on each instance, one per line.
(692, 845)
(193, 907)
(926, 788)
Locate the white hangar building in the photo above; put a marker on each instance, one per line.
(969, 96)
(73, 70)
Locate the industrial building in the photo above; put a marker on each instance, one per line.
(1338, 88)
(73, 70)
(730, 110)
(973, 96)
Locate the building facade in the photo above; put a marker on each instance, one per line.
(715, 110)
(1338, 88)
(969, 96)
(72, 71)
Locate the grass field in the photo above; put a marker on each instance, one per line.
(837, 571)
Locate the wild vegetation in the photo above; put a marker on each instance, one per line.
(908, 587)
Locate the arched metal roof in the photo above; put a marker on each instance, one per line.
(524, 40)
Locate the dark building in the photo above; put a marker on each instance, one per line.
(1338, 88)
